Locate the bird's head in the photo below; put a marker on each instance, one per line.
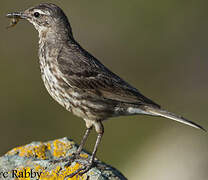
(46, 18)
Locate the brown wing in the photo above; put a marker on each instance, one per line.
(83, 71)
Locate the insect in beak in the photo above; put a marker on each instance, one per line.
(15, 17)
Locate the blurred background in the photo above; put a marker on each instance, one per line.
(160, 47)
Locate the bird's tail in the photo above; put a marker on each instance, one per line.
(169, 115)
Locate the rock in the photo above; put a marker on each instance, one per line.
(36, 161)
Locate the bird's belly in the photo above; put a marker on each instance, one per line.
(59, 90)
(55, 90)
(68, 101)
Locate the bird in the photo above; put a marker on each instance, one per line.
(80, 82)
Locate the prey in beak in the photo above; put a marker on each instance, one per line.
(15, 17)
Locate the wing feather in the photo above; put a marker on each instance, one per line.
(83, 71)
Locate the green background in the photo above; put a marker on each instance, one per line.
(160, 47)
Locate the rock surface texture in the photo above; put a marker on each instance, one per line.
(39, 160)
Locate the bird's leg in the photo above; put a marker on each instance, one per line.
(77, 153)
(92, 158)
(84, 139)
(86, 167)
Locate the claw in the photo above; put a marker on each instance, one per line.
(71, 160)
(81, 171)
(68, 164)
(75, 158)
(74, 173)
(85, 170)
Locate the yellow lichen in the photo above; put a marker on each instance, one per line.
(38, 168)
(60, 174)
(49, 146)
(84, 155)
(60, 148)
(30, 151)
(40, 151)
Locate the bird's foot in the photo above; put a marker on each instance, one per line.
(74, 158)
(86, 166)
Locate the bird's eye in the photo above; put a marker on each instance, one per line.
(36, 14)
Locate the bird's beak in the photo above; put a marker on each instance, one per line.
(17, 15)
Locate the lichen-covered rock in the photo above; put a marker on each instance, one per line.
(36, 161)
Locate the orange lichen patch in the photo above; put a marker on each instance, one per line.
(38, 151)
(60, 148)
(84, 155)
(49, 146)
(38, 168)
(60, 174)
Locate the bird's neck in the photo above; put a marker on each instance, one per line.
(50, 43)
(49, 47)
(55, 35)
